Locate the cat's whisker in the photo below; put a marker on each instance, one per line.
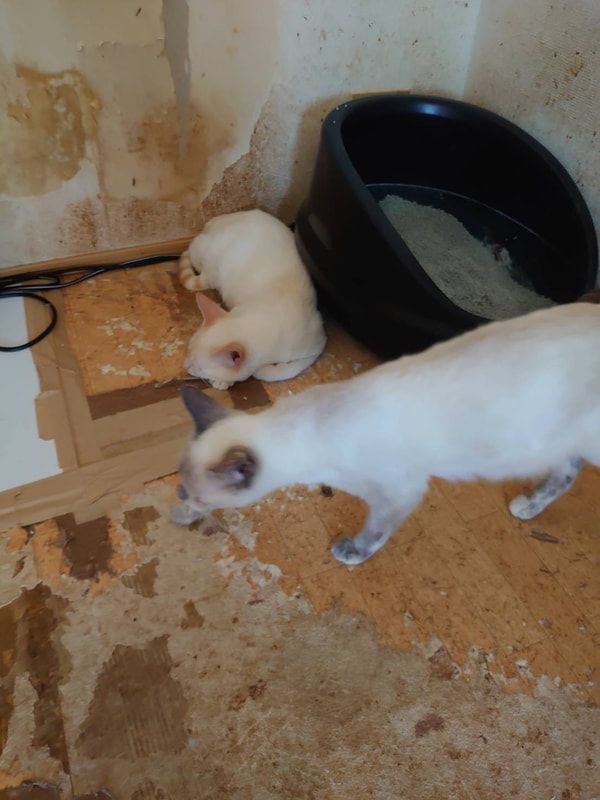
(179, 379)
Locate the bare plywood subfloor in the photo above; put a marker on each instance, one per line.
(144, 660)
(130, 328)
(211, 629)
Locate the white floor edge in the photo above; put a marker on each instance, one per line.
(24, 457)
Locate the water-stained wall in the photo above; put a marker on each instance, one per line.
(132, 120)
(114, 130)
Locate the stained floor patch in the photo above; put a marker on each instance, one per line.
(142, 580)
(218, 683)
(87, 546)
(137, 521)
(41, 615)
(8, 643)
(29, 630)
(138, 709)
(192, 619)
(432, 722)
(32, 790)
(137, 336)
(149, 791)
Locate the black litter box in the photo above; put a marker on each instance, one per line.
(503, 186)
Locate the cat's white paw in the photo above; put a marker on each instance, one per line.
(521, 507)
(346, 552)
(222, 385)
(184, 514)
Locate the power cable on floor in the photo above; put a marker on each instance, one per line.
(27, 284)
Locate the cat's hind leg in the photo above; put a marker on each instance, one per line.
(383, 521)
(550, 489)
(189, 278)
(285, 370)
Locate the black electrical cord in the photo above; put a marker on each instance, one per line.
(53, 318)
(21, 286)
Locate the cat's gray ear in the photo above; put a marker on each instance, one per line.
(237, 469)
(203, 409)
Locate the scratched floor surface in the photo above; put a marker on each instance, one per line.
(236, 659)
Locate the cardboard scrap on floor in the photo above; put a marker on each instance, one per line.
(107, 444)
(109, 393)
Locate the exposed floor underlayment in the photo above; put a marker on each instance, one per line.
(143, 660)
(237, 659)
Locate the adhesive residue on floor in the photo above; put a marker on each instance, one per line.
(179, 665)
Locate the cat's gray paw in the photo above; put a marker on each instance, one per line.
(184, 514)
(346, 552)
(522, 507)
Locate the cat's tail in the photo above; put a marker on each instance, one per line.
(188, 276)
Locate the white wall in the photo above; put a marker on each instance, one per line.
(537, 62)
(328, 51)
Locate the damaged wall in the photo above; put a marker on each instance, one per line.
(114, 129)
(538, 63)
(329, 51)
(130, 121)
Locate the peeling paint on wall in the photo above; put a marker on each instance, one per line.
(175, 96)
(205, 107)
(45, 125)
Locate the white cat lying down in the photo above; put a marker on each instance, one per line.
(272, 329)
(512, 399)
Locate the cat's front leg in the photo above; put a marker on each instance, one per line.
(185, 514)
(220, 385)
(383, 521)
(550, 489)
(354, 551)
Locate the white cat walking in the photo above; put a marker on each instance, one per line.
(513, 399)
(272, 329)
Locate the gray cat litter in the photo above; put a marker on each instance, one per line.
(479, 278)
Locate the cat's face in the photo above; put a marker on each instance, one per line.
(218, 468)
(220, 365)
(211, 355)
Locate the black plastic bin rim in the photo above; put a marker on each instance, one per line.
(332, 137)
